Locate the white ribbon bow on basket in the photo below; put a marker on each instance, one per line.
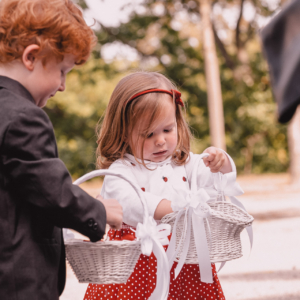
(151, 235)
(196, 211)
(193, 205)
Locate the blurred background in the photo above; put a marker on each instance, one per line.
(167, 36)
(212, 51)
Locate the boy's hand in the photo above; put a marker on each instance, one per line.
(114, 212)
(217, 160)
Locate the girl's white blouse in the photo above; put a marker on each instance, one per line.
(158, 183)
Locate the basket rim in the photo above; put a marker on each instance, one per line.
(80, 242)
(173, 214)
(251, 218)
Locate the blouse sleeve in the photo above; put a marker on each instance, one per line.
(124, 193)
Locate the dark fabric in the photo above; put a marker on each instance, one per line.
(281, 44)
(37, 199)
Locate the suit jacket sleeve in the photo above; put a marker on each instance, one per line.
(38, 176)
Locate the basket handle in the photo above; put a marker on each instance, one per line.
(151, 238)
(195, 170)
(98, 173)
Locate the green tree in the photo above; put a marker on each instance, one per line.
(168, 34)
(76, 112)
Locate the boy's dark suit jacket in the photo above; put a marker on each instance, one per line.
(281, 45)
(37, 199)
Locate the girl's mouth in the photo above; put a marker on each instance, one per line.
(160, 153)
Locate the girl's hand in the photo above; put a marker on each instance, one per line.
(217, 160)
(162, 209)
(114, 212)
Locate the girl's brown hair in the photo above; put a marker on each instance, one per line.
(57, 26)
(114, 134)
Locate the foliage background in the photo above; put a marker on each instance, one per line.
(166, 37)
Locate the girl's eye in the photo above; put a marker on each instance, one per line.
(169, 129)
(150, 135)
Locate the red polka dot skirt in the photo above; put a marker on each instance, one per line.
(141, 283)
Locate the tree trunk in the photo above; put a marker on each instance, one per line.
(214, 93)
(294, 147)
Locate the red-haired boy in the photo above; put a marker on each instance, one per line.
(40, 42)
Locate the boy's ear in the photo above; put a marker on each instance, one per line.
(29, 56)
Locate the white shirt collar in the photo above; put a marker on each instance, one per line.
(148, 163)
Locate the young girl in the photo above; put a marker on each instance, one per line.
(145, 137)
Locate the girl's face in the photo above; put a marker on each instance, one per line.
(162, 142)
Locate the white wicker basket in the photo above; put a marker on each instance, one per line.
(223, 233)
(105, 262)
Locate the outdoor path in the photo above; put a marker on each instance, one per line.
(272, 270)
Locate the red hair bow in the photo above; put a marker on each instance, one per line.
(178, 99)
(176, 93)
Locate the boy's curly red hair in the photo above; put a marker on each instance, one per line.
(57, 26)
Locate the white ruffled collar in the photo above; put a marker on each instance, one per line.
(148, 163)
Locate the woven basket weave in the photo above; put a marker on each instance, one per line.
(226, 223)
(106, 262)
(102, 262)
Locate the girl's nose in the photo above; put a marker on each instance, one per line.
(160, 141)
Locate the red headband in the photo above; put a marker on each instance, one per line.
(177, 95)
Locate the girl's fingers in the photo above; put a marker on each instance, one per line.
(215, 160)
(218, 158)
(206, 161)
(211, 151)
(216, 163)
(216, 168)
(211, 157)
